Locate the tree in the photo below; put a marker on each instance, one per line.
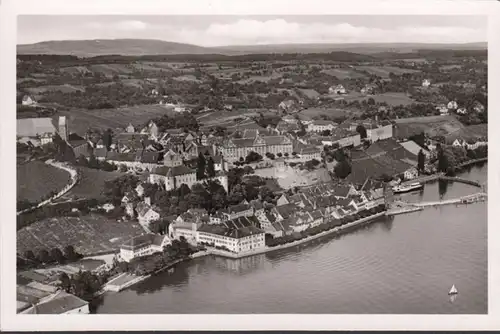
(70, 253)
(342, 169)
(64, 282)
(43, 256)
(362, 131)
(443, 164)
(210, 167)
(253, 157)
(57, 255)
(107, 138)
(421, 160)
(200, 167)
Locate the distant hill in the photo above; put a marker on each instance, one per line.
(99, 47)
(138, 47)
(363, 48)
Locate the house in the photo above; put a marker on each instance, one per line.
(38, 131)
(172, 159)
(287, 105)
(411, 173)
(130, 128)
(143, 245)
(443, 109)
(452, 105)
(310, 153)
(339, 89)
(321, 125)
(458, 143)
(462, 111)
(152, 130)
(379, 131)
(237, 236)
(28, 101)
(237, 211)
(282, 212)
(342, 138)
(146, 213)
(478, 107)
(228, 107)
(140, 190)
(368, 89)
(60, 303)
(426, 83)
(316, 218)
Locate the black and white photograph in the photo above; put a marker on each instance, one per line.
(328, 164)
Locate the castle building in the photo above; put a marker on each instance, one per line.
(234, 149)
(173, 177)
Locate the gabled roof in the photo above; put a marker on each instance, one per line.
(61, 303)
(30, 127)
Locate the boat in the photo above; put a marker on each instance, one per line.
(407, 188)
(453, 290)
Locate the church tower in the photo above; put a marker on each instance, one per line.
(63, 128)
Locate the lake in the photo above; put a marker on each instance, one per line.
(405, 264)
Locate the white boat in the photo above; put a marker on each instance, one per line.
(453, 290)
(407, 188)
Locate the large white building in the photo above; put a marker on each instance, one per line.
(143, 245)
(238, 235)
(234, 149)
(321, 125)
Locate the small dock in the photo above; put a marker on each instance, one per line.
(470, 199)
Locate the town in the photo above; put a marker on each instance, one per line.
(128, 165)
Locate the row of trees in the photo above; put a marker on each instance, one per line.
(43, 257)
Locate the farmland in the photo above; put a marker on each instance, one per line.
(329, 112)
(81, 120)
(60, 88)
(88, 234)
(343, 73)
(36, 179)
(91, 184)
(383, 71)
(471, 132)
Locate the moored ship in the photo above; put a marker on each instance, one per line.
(407, 188)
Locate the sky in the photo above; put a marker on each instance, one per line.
(251, 30)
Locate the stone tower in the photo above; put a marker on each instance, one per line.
(63, 128)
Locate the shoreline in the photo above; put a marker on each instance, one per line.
(269, 249)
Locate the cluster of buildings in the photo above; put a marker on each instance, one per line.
(38, 292)
(242, 228)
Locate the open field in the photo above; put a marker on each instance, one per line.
(111, 69)
(91, 184)
(471, 132)
(36, 179)
(431, 125)
(81, 120)
(75, 69)
(88, 234)
(343, 73)
(221, 117)
(392, 99)
(330, 112)
(53, 88)
(383, 71)
(289, 177)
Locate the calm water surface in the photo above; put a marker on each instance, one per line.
(406, 265)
